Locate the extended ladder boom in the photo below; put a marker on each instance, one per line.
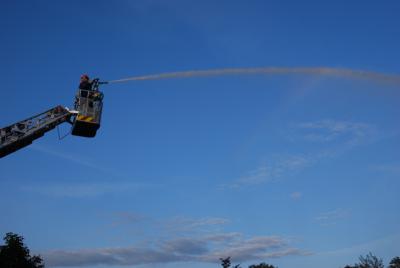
(23, 133)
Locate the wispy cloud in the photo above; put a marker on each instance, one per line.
(272, 170)
(336, 136)
(358, 249)
(109, 256)
(185, 224)
(195, 240)
(65, 156)
(126, 217)
(186, 246)
(296, 195)
(194, 249)
(81, 190)
(390, 168)
(76, 159)
(224, 238)
(256, 248)
(351, 133)
(332, 217)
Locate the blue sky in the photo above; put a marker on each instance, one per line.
(294, 170)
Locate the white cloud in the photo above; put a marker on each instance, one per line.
(125, 217)
(391, 168)
(342, 135)
(332, 217)
(195, 249)
(69, 157)
(108, 256)
(185, 224)
(367, 246)
(273, 170)
(188, 246)
(296, 195)
(81, 190)
(76, 159)
(224, 237)
(350, 133)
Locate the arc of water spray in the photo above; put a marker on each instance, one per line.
(340, 72)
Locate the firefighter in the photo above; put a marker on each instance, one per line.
(85, 82)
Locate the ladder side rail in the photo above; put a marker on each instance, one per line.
(32, 117)
(24, 132)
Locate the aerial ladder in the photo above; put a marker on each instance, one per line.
(84, 119)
